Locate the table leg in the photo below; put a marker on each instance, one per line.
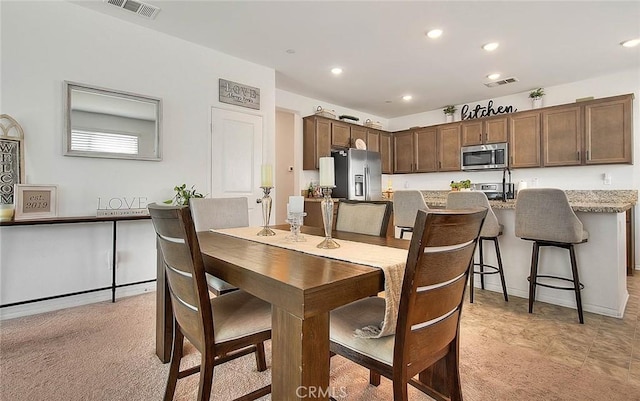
(300, 359)
(164, 313)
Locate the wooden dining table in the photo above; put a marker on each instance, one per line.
(302, 290)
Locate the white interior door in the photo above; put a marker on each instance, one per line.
(236, 156)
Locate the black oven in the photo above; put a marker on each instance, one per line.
(483, 157)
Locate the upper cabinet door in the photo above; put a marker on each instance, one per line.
(403, 155)
(426, 150)
(472, 132)
(608, 131)
(373, 140)
(496, 130)
(449, 147)
(358, 133)
(524, 140)
(562, 136)
(386, 152)
(340, 135)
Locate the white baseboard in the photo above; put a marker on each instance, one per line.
(75, 300)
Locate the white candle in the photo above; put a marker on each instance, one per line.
(266, 176)
(296, 204)
(327, 175)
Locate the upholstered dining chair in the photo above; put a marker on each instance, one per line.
(222, 328)
(491, 230)
(544, 216)
(364, 217)
(219, 213)
(431, 300)
(406, 204)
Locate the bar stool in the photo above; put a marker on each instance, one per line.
(491, 230)
(406, 204)
(544, 216)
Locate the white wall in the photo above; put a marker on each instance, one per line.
(45, 43)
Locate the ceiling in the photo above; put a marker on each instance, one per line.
(384, 53)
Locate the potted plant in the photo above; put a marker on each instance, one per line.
(448, 112)
(460, 185)
(536, 97)
(183, 195)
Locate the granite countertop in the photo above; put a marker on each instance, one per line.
(594, 201)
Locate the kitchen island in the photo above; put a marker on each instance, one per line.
(602, 261)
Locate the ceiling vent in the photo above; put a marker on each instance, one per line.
(142, 9)
(501, 82)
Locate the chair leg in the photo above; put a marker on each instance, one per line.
(534, 275)
(499, 257)
(206, 377)
(174, 368)
(400, 390)
(576, 282)
(481, 240)
(374, 378)
(453, 372)
(261, 362)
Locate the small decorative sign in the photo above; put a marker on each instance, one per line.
(11, 158)
(122, 206)
(484, 111)
(35, 201)
(239, 94)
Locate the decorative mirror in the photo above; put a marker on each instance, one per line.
(111, 124)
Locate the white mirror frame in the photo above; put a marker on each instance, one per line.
(72, 87)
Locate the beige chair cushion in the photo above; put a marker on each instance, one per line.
(356, 315)
(361, 218)
(474, 199)
(239, 314)
(219, 212)
(545, 214)
(406, 204)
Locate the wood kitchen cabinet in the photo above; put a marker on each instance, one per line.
(449, 144)
(427, 149)
(490, 130)
(607, 130)
(386, 152)
(373, 140)
(358, 132)
(562, 136)
(316, 138)
(340, 135)
(524, 140)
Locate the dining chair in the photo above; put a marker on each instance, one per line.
(364, 217)
(406, 204)
(219, 213)
(544, 216)
(222, 328)
(428, 324)
(491, 230)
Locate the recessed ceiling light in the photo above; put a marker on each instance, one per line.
(434, 33)
(631, 43)
(406, 98)
(491, 46)
(336, 70)
(493, 76)
(290, 51)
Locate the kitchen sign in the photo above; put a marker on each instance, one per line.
(484, 111)
(239, 94)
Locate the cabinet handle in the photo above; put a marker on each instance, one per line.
(578, 155)
(440, 165)
(588, 155)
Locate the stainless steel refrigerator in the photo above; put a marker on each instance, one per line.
(358, 174)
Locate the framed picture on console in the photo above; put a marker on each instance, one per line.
(35, 201)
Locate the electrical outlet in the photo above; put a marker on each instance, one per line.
(606, 177)
(534, 182)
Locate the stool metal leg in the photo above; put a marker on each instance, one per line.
(501, 272)
(482, 262)
(576, 283)
(471, 276)
(534, 275)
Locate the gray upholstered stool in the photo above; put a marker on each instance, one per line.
(406, 204)
(544, 216)
(491, 230)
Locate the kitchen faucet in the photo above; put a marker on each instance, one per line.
(504, 183)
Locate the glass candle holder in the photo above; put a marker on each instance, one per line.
(327, 218)
(266, 213)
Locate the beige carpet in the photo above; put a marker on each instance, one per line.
(105, 352)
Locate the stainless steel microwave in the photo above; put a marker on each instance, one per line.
(484, 157)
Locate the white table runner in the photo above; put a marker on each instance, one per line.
(391, 260)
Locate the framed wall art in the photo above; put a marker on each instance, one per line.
(36, 201)
(11, 158)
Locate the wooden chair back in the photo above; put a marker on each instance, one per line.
(440, 254)
(364, 217)
(184, 272)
